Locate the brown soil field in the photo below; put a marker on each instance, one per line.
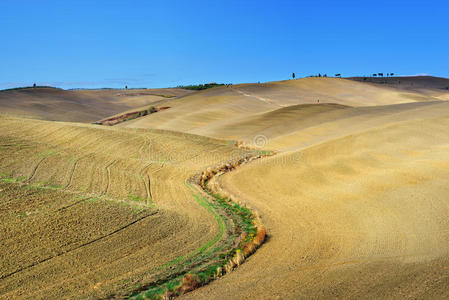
(435, 87)
(59, 243)
(79, 105)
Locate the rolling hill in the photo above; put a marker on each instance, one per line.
(348, 177)
(430, 86)
(78, 105)
(222, 112)
(93, 211)
(356, 207)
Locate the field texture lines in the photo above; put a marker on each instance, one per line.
(125, 190)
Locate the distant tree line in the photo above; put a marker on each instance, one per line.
(199, 87)
(320, 75)
(339, 75)
(382, 74)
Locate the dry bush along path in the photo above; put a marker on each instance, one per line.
(351, 189)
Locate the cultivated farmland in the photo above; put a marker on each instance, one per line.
(98, 212)
(345, 181)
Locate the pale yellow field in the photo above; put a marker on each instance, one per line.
(352, 213)
(220, 112)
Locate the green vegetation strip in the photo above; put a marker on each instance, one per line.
(196, 257)
(41, 185)
(204, 203)
(207, 272)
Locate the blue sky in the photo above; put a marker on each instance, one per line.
(167, 43)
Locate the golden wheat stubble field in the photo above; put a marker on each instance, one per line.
(93, 212)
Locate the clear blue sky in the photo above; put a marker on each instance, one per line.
(168, 43)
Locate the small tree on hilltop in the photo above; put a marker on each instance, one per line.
(293, 76)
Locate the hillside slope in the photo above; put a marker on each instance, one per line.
(96, 211)
(408, 82)
(213, 112)
(356, 208)
(78, 105)
(354, 200)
